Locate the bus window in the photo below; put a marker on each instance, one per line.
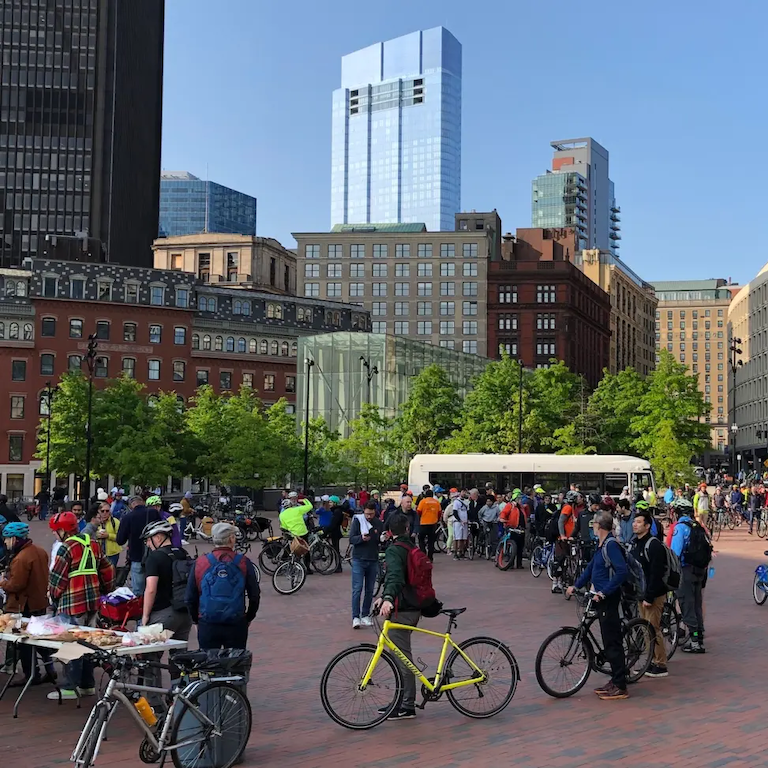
(445, 480)
(615, 482)
(641, 480)
(588, 482)
(552, 482)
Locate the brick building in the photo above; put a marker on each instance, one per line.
(541, 306)
(167, 329)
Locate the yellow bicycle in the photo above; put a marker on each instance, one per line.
(363, 685)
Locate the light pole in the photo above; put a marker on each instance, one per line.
(309, 364)
(370, 372)
(90, 360)
(520, 412)
(48, 400)
(735, 352)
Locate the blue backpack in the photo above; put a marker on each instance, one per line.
(222, 592)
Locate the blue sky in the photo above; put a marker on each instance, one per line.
(674, 90)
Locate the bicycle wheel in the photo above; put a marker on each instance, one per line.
(380, 575)
(324, 558)
(252, 533)
(491, 695)
(762, 528)
(639, 642)
(759, 588)
(505, 555)
(347, 557)
(670, 629)
(270, 556)
(229, 709)
(471, 547)
(289, 577)
(440, 539)
(352, 706)
(85, 753)
(563, 663)
(536, 565)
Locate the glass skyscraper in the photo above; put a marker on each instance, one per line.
(189, 205)
(396, 133)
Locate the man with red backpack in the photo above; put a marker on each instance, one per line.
(407, 594)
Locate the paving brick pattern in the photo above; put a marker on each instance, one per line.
(706, 714)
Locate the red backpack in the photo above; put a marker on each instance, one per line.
(418, 580)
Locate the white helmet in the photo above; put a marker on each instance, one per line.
(156, 527)
(175, 509)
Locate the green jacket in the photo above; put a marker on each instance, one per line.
(397, 574)
(292, 518)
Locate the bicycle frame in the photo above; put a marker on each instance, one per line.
(386, 642)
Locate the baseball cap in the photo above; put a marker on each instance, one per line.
(325, 497)
(220, 530)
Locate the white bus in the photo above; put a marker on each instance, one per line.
(593, 474)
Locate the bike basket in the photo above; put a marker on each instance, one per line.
(299, 547)
(121, 613)
(762, 572)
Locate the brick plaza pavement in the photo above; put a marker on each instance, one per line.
(706, 714)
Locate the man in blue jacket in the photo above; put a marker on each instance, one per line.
(691, 580)
(606, 581)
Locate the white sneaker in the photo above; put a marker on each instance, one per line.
(184, 542)
(356, 623)
(366, 621)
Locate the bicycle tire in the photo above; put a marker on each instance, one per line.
(270, 556)
(731, 521)
(324, 558)
(536, 567)
(440, 540)
(637, 658)
(91, 745)
(252, 533)
(295, 573)
(380, 576)
(470, 553)
(232, 706)
(505, 561)
(670, 629)
(391, 692)
(586, 653)
(762, 528)
(459, 697)
(759, 595)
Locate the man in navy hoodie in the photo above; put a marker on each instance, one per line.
(129, 532)
(607, 571)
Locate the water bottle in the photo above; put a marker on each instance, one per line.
(711, 571)
(146, 712)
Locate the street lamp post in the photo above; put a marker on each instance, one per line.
(48, 400)
(309, 364)
(520, 412)
(90, 360)
(370, 372)
(735, 352)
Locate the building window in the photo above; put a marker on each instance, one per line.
(177, 262)
(104, 291)
(50, 287)
(469, 289)
(469, 327)
(447, 250)
(155, 334)
(447, 270)
(131, 293)
(129, 367)
(273, 348)
(46, 365)
(312, 290)
(378, 326)
(401, 308)
(424, 270)
(545, 347)
(447, 308)
(129, 331)
(379, 289)
(15, 449)
(153, 370)
(424, 308)
(380, 251)
(202, 377)
(333, 290)
(43, 404)
(290, 383)
(402, 251)
(379, 309)
(74, 362)
(157, 295)
(274, 311)
(447, 343)
(263, 347)
(447, 289)
(402, 270)
(179, 335)
(545, 322)
(425, 250)
(402, 327)
(507, 322)
(357, 251)
(233, 260)
(335, 252)
(311, 251)
(101, 367)
(204, 267)
(28, 331)
(356, 289)
(333, 270)
(510, 347)
(402, 289)
(507, 294)
(269, 382)
(469, 250)
(17, 406)
(469, 269)
(470, 347)
(75, 329)
(294, 348)
(48, 327)
(230, 344)
(13, 331)
(379, 270)
(447, 328)
(76, 288)
(469, 308)
(248, 380)
(545, 294)
(284, 347)
(358, 270)
(218, 344)
(225, 380)
(102, 330)
(311, 270)
(424, 328)
(206, 304)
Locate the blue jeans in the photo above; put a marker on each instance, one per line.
(43, 512)
(79, 673)
(113, 559)
(138, 579)
(364, 573)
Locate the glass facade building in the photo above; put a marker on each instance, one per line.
(339, 382)
(71, 71)
(396, 133)
(560, 200)
(189, 205)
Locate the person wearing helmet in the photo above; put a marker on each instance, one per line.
(26, 588)
(118, 505)
(566, 524)
(132, 523)
(512, 517)
(586, 529)
(701, 505)
(376, 499)
(80, 575)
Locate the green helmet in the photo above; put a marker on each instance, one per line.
(153, 501)
(516, 494)
(334, 499)
(642, 505)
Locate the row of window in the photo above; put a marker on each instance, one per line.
(17, 331)
(694, 314)
(356, 290)
(448, 269)
(695, 326)
(207, 342)
(428, 327)
(103, 331)
(545, 294)
(423, 308)
(381, 251)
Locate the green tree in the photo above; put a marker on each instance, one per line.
(430, 414)
(668, 426)
(205, 420)
(370, 449)
(285, 441)
(551, 402)
(612, 407)
(326, 464)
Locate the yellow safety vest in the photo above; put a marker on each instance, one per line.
(87, 564)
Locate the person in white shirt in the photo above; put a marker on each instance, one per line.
(460, 525)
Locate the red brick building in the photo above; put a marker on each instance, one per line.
(541, 306)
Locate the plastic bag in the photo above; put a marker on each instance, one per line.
(48, 625)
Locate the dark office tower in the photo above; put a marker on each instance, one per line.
(80, 126)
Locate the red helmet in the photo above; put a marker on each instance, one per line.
(64, 521)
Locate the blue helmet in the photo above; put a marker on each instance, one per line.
(16, 531)
(439, 489)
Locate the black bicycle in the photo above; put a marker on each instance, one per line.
(568, 656)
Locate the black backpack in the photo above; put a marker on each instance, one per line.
(552, 532)
(181, 567)
(698, 550)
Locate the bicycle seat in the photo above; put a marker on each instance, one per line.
(453, 612)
